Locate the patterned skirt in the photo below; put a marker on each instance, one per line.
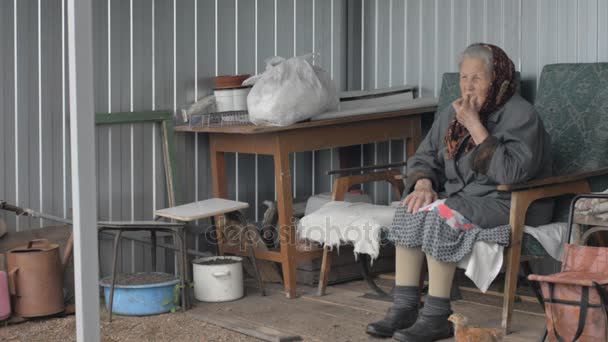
(441, 232)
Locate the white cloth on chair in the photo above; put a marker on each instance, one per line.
(337, 222)
(361, 225)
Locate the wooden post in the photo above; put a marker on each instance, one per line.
(82, 133)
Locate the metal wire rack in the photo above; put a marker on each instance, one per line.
(221, 119)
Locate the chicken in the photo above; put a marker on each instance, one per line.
(473, 334)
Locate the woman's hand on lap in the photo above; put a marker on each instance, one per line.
(422, 195)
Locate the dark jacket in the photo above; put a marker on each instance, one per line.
(517, 150)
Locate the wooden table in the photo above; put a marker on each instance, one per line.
(308, 136)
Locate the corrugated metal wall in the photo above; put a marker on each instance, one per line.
(149, 54)
(419, 40)
(162, 54)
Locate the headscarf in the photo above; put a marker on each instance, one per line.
(502, 88)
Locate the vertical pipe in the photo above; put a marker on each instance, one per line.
(256, 37)
(63, 114)
(485, 21)
(468, 22)
(390, 43)
(295, 19)
(362, 44)
(435, 54)
(519, 34)
(576, 40)
(257, 209)
(175, 268)
(376, 45)
(216, 35)
(236, 72)
(313, 62)
(174, 56)
(405, 42)
(236, 37)
(16, 105)
(110, 192)
(313, 30)
(275, 28)
(295, 154)
(196, 169)
(41, 202)
(131, 129)
(153, 107)
(331, 23)
(502, 23)
(557, 31)
(597, 29)
(420, 64)
(538, 40)
(452, 29)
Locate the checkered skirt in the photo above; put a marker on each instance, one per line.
(441, 232)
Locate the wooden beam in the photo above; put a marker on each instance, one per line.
(132, 117)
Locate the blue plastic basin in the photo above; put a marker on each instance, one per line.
(140, 300)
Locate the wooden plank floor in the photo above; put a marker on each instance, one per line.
(343, 313)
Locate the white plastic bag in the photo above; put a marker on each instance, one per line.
(289, 91)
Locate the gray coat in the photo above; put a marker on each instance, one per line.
(517, 150)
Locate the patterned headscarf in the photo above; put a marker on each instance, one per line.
(501, 90)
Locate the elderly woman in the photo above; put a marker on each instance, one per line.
(490, 136)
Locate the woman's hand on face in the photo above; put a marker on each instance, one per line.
(422, 195)
(467, 111)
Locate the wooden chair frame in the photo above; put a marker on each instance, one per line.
(340, 188)
(522, 196)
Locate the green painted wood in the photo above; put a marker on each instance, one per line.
(170, 156)
(132, 117)
(165, 119)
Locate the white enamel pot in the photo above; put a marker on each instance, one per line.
(218, 278)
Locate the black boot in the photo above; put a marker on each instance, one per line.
(426, 329)
(395, 319)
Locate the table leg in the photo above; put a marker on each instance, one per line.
(286, 227)
(220, 187)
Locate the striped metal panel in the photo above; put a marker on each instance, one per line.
(157, 54)
(532, 32)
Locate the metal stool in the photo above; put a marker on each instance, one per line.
(175, 229)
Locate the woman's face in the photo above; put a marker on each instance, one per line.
(474, 79)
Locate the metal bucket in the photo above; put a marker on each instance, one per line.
(218, 279)
(35, 276)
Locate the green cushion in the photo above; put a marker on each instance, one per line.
(572, 100)
(450, 89)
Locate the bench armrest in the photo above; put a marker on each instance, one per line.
(555, 180)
